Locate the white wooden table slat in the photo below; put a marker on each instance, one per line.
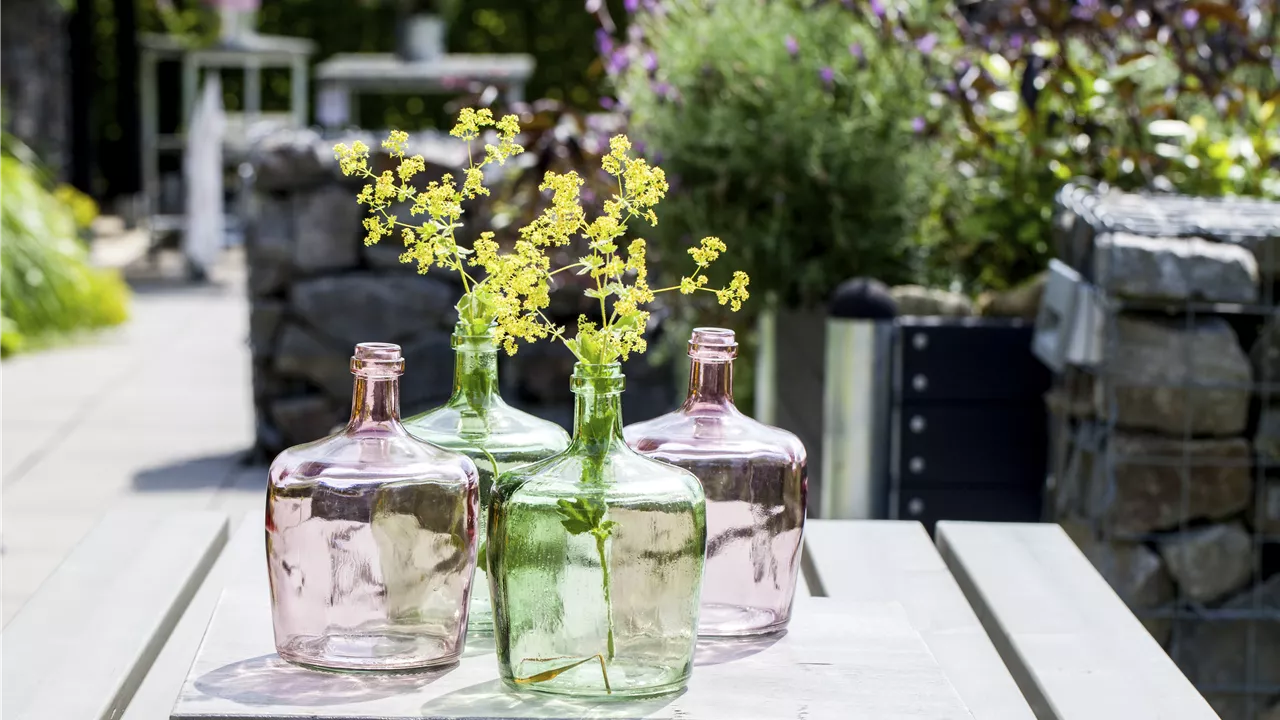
(878, 560)
(79, 647)
(1072, 644)
(242, 566)
(837, 661)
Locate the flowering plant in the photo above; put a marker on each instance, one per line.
(792, 125)
(514, 289)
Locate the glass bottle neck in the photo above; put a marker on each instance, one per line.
(375, 401)
(597, 417)
(710, 383)
(475, 372)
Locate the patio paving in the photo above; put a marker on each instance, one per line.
(155, 414)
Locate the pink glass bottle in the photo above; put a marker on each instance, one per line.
(371, 537)
(756, 486)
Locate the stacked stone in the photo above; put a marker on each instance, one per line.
(1159, 488)
(316, 290)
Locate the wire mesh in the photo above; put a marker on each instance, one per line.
(1228, 644)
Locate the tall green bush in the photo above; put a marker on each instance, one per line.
(791, 127)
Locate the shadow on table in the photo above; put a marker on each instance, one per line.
(714, 651)
(198, 473)
(494, 699)
(268, 680)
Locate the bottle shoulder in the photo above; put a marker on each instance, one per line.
(501, 430)
(369, 458)
(624, 473)
(712, 433)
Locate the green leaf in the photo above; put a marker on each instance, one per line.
(581, 515)
(482, 556)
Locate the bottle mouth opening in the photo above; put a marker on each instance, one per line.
(712, 344)
(376, 359)
(604, 378)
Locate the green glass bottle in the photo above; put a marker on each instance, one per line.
(596, 559)
(497, 437)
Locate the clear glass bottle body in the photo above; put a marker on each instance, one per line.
(596, 560)
(371, 537)
(756, 486)
(497, 437)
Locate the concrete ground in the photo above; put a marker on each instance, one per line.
(154, 414)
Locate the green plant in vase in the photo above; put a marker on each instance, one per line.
(475, 421)
(598, 515)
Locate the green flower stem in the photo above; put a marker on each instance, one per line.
(608, 604)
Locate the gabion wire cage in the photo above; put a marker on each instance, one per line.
(1163, 454)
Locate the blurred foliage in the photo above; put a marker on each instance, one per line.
(1163, 95)
(47, 286)
(788, 128)
(783, 122)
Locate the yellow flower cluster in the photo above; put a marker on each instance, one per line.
(515, 287)
(621, 278)
(432, 242)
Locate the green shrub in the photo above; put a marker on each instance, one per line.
(1160, 96)
(790, 128)
(47, 287)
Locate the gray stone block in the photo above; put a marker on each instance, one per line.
(1148, 482)
(1265, 355)
(327, 229)
(428, 372)
(373, 307)
(293, 159)
(1175, 268)
(918, 300)
(1266, 519)
(1133, 570)
(1151, 362)
(1214, 652)
(303, 419)
(302, 355)
(265, 317)
(269, 245)
(1208, 563)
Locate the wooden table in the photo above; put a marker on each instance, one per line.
(883, 628)
(871, 654)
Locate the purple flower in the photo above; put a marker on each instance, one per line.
(1015, 42)
(607, 102)
(828, 76)
(793, 47)
(877, 7)
(617, 62)
(1190, 18)
(660, 89)
(604, 42)
(927, 43)
(917, 125)
(649, 61)
(631, 5)
(1085, 9)
(855, 50)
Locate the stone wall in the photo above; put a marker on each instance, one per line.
(316, 290)
(1167, 480)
